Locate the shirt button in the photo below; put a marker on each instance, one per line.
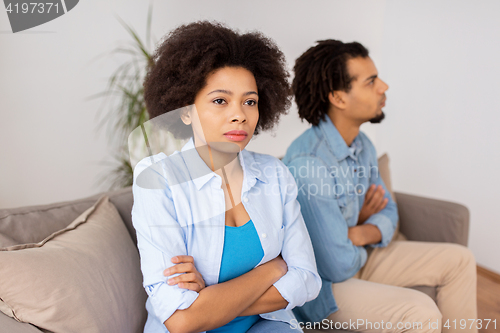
(264, 235)
(359, 190)
(245, 199)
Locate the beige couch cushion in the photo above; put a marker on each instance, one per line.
(32, 224)
(83, 278)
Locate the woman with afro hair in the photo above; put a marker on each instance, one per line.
(222, 241)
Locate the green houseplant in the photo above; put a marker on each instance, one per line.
(128, 109)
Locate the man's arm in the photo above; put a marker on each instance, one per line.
(386, 219)
(338, 259)
(374, 202)
(364, 234)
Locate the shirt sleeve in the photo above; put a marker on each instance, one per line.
(387, 218)
(302, 282)
(337, 257)
(159, 238)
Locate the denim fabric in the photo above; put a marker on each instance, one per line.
(179, 209)
(332, 180)
(268, 326)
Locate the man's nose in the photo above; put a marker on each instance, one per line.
(384, 87)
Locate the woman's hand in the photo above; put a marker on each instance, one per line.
(191, 279)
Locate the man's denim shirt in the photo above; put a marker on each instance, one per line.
(179, 209)
(332, 180)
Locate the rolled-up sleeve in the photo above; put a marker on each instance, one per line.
(302, 282)
(159, 238)
(387, 218)
(386, 227)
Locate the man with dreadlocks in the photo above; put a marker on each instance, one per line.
(351, 217)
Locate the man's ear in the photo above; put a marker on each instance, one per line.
(185, 117)
(338, 99)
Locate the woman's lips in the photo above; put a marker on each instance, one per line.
(236, 135)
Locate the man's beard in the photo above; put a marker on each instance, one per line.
(378, 119)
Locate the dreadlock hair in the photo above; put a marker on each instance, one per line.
(320, 70)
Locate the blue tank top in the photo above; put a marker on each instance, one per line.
(242, 251)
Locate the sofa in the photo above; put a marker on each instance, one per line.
(421, 219)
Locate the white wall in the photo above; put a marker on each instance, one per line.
(438, 59)
(50, 150)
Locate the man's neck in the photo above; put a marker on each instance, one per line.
(347, 129)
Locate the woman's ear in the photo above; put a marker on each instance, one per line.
(185, 117)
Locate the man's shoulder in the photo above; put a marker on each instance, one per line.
(364, 137)
(305, 144)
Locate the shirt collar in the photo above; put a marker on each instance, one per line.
(200, 173)
(336, 141)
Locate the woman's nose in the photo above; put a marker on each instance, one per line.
(238, 114)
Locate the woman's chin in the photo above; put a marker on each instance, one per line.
(228, 146)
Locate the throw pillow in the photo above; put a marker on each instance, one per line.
(83, 278)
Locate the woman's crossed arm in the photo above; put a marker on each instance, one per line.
(218, 304)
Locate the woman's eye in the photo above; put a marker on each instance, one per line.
(219, 101)
(251, 102)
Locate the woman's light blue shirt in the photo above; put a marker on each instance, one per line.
(179, 209)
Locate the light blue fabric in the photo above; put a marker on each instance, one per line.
(241, 253)
(179, 209)
(332, 180)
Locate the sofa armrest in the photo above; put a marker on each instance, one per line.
(431, 220)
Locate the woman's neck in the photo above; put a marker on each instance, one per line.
(216, 160)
